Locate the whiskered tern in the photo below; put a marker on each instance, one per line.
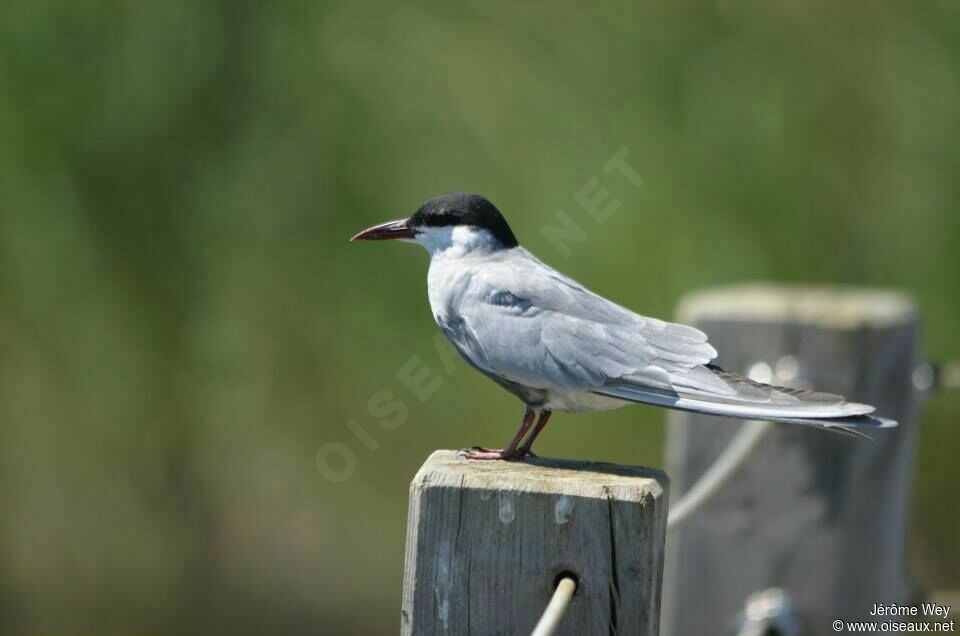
(559, 347)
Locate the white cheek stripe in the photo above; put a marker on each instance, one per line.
(451, 241)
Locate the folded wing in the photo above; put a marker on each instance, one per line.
(547, 331)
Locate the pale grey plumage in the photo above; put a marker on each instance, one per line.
(525, 324)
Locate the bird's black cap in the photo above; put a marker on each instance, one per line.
(464, 208)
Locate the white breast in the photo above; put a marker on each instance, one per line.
(455, 255)
(449, 286)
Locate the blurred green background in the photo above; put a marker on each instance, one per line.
(183, 324)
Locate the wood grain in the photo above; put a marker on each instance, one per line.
(822, 516)
(487, 540)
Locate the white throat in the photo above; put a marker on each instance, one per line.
(455, 241)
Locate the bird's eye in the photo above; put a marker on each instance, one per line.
(443, 219)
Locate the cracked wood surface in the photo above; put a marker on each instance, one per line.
(486, 540)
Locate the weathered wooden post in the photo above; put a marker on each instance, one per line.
(822, 517)
(486, 542)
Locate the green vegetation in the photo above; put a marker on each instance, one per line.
(183, 323)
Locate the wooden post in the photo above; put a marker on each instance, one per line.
(487, 540)
(823, 517)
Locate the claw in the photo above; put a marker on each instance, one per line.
(478, 452)
(515, 450)
(475, 450)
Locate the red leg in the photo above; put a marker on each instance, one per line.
(510, 451)
(527, 448)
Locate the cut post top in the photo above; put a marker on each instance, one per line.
(831, 307)
(543, 475)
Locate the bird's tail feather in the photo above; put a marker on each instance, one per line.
(743, 398)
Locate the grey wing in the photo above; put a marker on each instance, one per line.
(545, 330)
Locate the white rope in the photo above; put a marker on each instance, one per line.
(557, 608)
(732, 458)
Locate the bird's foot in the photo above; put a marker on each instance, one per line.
(478, 452)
